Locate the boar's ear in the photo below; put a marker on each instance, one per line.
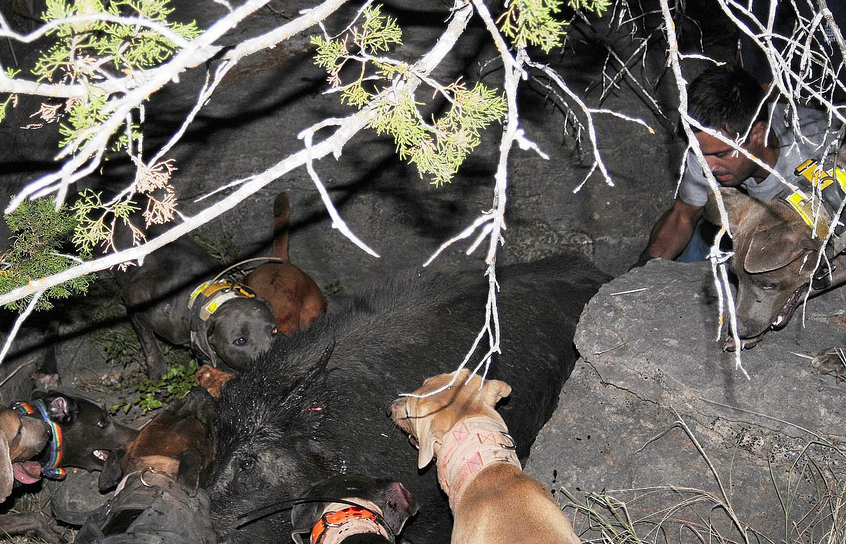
(737, 204)
(775, 247)
(493, 391)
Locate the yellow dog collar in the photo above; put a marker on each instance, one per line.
(214, 294)
(817, 209)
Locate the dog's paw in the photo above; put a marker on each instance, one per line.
(831, 361)
(213, 379)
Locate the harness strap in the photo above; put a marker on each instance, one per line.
(38, 409)
(335, 526)
(471, 445)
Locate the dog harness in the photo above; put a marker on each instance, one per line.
(817, 199)
(470, 446)
(207, 299)
(37, 409)
(335, 526)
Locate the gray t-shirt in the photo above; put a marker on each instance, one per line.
(694, 188)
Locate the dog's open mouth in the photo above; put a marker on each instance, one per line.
(102, 455)
(28, 472)
(789, 307)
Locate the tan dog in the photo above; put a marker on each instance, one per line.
(492, 500)
(295, 297)
(21, 439)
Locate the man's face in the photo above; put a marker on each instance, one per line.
(729, 166)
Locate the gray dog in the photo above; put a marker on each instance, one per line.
(223, 322)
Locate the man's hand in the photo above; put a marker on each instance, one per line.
(673, 231)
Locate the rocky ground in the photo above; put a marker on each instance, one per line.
(655, 429)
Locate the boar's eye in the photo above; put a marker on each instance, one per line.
(240, 341)
(247, 463)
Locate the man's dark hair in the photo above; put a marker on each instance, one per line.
(726, 98)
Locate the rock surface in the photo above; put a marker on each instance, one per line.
(654, 400)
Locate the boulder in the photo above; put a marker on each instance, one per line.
(658, 432)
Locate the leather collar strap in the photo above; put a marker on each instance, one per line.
(471, 445)
(334, 527)
(37, 409)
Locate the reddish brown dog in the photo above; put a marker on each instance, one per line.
(295, 297)
(492, 500)
(178, 443)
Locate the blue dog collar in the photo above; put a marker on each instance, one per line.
(37, 409)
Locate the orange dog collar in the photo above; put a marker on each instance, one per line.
(339, 518)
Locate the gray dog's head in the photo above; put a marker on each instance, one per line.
(237, 333)
(774, 259)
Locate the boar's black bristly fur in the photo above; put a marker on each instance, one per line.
(314, 406)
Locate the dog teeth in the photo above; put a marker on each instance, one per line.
(102, 455)
(778, 321)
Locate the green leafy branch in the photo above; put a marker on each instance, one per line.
(96, 221)
(440, 149)
(436, 148)
(151, 395)
(38, 250)
(98, 50)
(533, 22)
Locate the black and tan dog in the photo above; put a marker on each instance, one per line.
(492, 500)
(222, 321)
(775, 258)
(82, 433)
(351, 508)
(158, 477)
(74, 432)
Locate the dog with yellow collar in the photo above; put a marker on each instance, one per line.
(777, 245)
(223, 322)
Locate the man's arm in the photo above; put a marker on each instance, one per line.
(672, 232)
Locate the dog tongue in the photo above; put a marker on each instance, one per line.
(28, 472)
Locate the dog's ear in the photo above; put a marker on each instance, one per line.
(61, 408)
(426, 442)
(737, 205)
(426, 434)
(493, 391)
(7, 477)
(112, 471)
(201, 340)
(190, 468)
(776, 247)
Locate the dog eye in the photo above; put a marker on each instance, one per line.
(247, 464)
(275, 331)
(240, 341)
(103, 423)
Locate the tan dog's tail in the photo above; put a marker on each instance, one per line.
(281, 222)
